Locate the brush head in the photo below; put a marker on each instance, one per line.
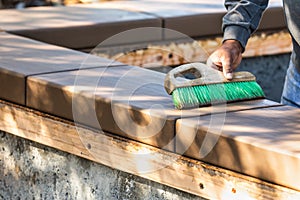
(209, 86)
(202, 95)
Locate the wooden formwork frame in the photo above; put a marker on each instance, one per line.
(180, 51)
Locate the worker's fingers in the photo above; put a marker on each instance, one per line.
(226, 58)
(214, 63)
(221, 61)
(232, 57)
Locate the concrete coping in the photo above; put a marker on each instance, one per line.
(75, 27)
(131, 102)
(85, 26)
(22, 57)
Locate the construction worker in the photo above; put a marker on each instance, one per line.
(239, 23)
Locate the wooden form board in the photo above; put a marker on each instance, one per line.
(198, 50)
(125, 100)
(262, 143)
(182, 173)
(21, 57)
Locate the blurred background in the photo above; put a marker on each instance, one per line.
(20, 4)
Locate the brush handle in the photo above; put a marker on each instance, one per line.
(204, 75)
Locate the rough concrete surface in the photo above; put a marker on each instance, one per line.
(269, 71)
(33, 171)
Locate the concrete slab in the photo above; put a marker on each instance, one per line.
(208, 22)
(125, 100)
(21, 57)
(196, 19)
(76, 27)
(263, 143)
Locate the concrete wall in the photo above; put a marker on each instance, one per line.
(32, 171)
(270, 73)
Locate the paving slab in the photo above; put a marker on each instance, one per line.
(125, 100)
(76, 27)
(264, 143)
(21, 57)
(200, 18)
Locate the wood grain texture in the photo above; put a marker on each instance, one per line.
(125, 100)
(180, 172)
(262, 143)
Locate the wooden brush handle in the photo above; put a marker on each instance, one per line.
(204, 75)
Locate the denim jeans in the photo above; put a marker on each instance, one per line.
(291, 89)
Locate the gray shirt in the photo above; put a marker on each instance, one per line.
(243, 18)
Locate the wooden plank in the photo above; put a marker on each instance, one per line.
(139, 159)
(263, 143)
(177, 53)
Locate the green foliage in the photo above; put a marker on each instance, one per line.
(190, 97)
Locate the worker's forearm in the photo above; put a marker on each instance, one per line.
(242, 19)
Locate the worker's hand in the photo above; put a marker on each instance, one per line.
(226, 58)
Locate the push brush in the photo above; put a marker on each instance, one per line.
(209, 86)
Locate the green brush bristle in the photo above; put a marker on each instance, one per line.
(195, 96)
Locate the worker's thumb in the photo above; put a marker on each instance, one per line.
(227, 69)
(228, 75)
